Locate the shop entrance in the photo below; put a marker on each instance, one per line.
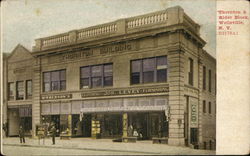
(76, 125)
(26, 123)
(55, 120)
(86, 125)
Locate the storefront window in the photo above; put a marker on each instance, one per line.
(54, 81)
(149, 70)
(11, 91)
(97, 76)
(25, 114)
(64, 127)
(28, 89)
(20, 90)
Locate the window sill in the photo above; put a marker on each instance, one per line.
(54, 91)
(93, 88)
(149, 84)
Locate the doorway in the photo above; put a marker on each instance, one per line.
(55, 119)
(86, 125)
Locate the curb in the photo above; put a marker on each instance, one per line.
(78, 148)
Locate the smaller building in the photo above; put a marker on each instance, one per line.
(18, 84)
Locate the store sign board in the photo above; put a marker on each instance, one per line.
(128, 104)
(193, 107)
(55, 97)
(130, 91)
(81, 53)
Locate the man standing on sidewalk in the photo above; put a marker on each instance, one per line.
(53, 134)
(21, 135)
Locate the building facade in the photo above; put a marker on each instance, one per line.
(147, 73)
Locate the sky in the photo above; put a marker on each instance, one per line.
(23, 21)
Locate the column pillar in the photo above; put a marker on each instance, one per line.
(200, 86)
(36, 80)
(70, 124)
(125, 125)
(176, 97)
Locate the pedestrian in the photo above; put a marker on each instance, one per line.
(21, 135)
(53, 134)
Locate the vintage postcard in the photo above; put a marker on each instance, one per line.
(124, 77)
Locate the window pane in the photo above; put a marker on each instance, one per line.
(135, 78)
(63, 75)
(161, 62)
(96, 81)
(85, 72)
(204, 77)
(148, 64)
(162, 75)
(204, 106)
(29, 89)
(55, 85)
(20, 90)
(46, 86)
(46, 77)
(55, 76)
(108, 70)
(209, 80)
(148, 76)
(11, 91)
(96, 70)
(190, 73)
(108, 81)
(136, 66)
(85, 83)
(63, 85)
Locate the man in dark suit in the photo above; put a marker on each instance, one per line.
(53, 134)
(21, 135)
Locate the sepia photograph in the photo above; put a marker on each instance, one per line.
(108, 77)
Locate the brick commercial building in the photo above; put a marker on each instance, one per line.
(145, 75)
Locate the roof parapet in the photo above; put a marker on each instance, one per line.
(164, 18)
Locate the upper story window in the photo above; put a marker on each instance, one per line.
(204, 78)
(209, 108)
(11, 90)
(149, 70)
(209, 80)
(191, 72)
(29, 89)
(19, 90)
(96, 76)
(204, 106)
(54, 80)
(215, 83)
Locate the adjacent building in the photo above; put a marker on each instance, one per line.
(148, 74)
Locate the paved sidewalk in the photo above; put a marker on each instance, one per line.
(142, 147)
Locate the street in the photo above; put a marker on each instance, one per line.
(89, 146)
(26, 150)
